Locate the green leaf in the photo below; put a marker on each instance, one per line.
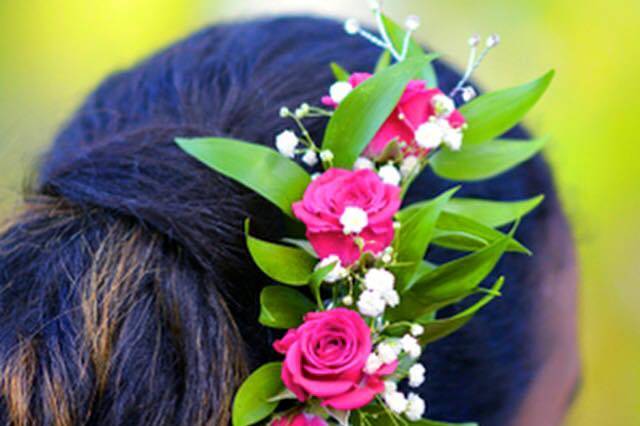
(492, 213)
(458, 240)
(283, 307)
(448, 283)
(383, 62)
(362, 113)
(340, 73)
(441, 328)
(378, 416)
(259, 168)
(416, 231)
(478, 162)
(303, 244)
(453, 222)
(397, 34)
(458, 232)
(284, 264)
(492, 114)
(251, 403)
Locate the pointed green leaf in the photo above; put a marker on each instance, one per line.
(484, 161)
(251, 403)
(383, 62)
(375, 415)
(448, 283)
(397, 34)
(340, 73)
(453, 222)
(458, 232)
(416, 231)
(303, 244)
(458, 240)
(362, 113)
(283, 307)
(441, 328)
(288, 265)
(492, 114)
(492, 213)
(257, 167)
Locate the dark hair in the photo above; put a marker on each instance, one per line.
(126, 293)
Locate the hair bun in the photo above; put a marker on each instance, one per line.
(143, 175)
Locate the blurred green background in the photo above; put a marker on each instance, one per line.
(52, 52)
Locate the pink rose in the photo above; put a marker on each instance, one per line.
(415, 106)
(342, 206)
(302, 419)
(325, 358)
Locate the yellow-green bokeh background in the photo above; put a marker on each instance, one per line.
(52, 52)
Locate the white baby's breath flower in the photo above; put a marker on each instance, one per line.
(363, 163)
(371, 304)
(411, 346)
(373, 364)
(396, 401)
(390, 386)
(310, 158)
(417, 330)
(391, 298)
(453, 138)
(390, 175)
(474, 40)
(352, 26)
(415, 407)
(326, 155)
(468, 93)
(379, 280)
(430, 134)
(409, 165)
(387, 352)
(443, 105)
(412, 22)
(493, 40)
(284, 112)
(347, 300)
(339, 91)
(286, 143)
(337, 273)
(353, 220)
(416, 375)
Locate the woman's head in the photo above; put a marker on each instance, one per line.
(126, 293)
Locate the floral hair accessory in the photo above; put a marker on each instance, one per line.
(355, 292)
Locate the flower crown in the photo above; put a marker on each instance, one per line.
(357, 297)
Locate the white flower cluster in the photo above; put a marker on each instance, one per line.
(437, 130)
(378, 293)
(337, 273)
(388, 351)
(411, 406)
(287, 144)
(388, 173)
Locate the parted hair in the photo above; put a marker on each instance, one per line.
(127, 296)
